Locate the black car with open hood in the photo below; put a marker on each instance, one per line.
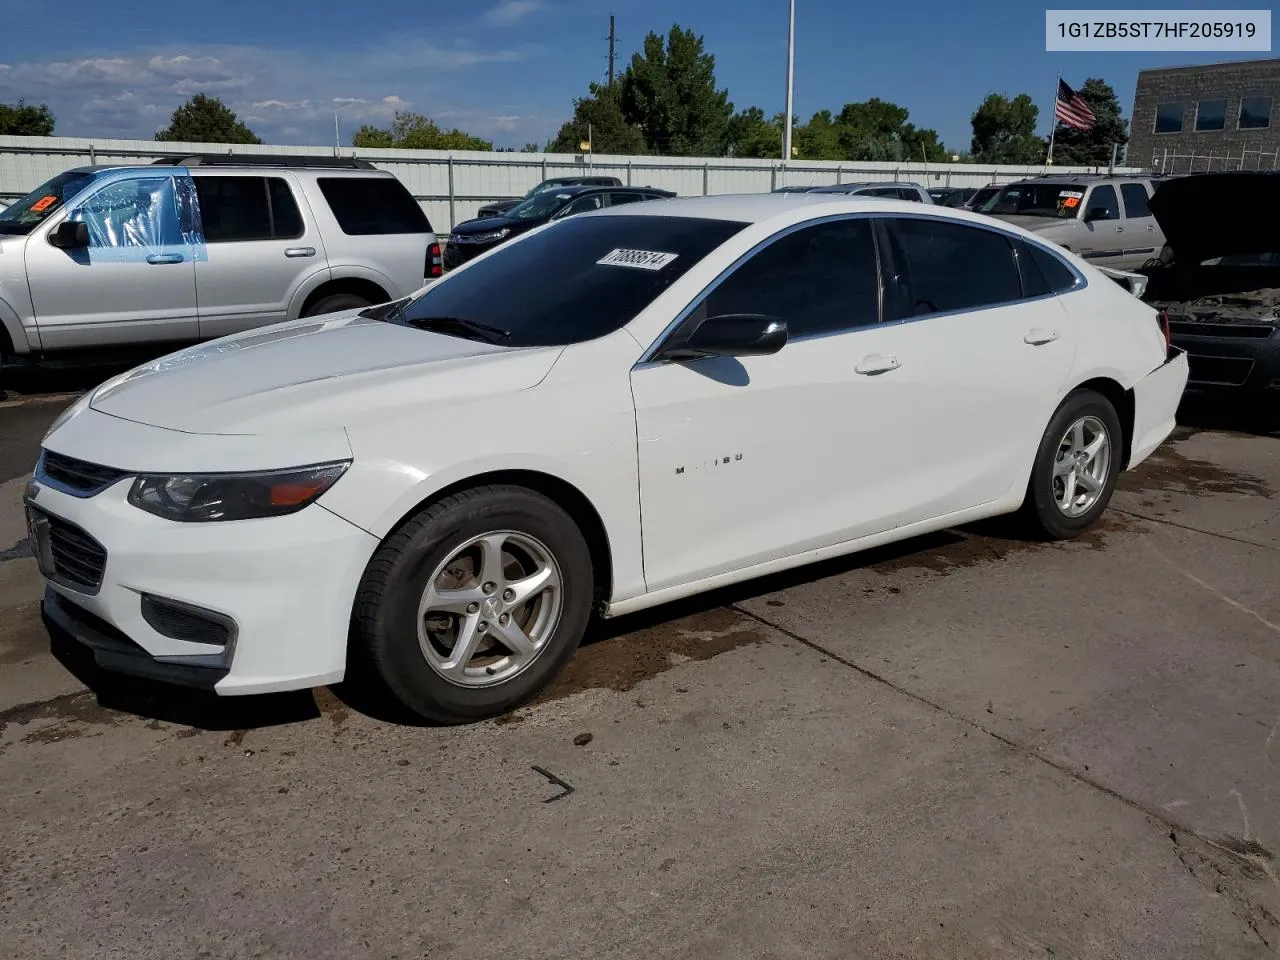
(1218, 278)
(474, 237)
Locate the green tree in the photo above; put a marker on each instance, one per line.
(206, 120)
(598, 116)
(531, 148)
(412, 131)
(1092, 147)
(669, 92)
(1004, 131)
(20, 120)
(749, 134)
(819, 139)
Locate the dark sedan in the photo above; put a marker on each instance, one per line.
(498, 207)
(474, 237)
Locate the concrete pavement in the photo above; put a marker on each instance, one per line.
(964, 746)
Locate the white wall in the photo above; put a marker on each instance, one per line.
(450, 186)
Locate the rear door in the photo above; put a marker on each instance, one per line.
(374, 229)
(261, 251)
(1143, 238)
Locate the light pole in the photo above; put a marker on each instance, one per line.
(791, 62)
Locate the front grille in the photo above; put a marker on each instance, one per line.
(1224, 371)
(184, 622)
(79, 478)
(78, 560)
(1230, 331)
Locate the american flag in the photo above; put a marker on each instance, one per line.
(1071, 110)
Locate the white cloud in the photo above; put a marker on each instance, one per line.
(285, 95)
(508, 12)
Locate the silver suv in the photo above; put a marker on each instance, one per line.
(199, 247)
(1106, 220)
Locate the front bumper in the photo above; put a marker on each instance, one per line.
(281, 589)
(1246, 361)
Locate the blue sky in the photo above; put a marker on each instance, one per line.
(509, 69)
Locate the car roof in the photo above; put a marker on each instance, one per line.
(758, 207)
(863, 184)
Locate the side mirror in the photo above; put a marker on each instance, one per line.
(69, 235)
(1095, 213)
(732, 335)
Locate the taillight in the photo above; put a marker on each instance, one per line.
(1164, 328)
(435, 262)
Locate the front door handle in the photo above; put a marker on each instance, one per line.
(875, 363)
(300, 252)
(1040, 336)
(165, 258)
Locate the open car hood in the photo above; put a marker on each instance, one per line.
(1211, 215)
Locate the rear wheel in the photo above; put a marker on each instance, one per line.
(335, 303)
(475, 604)
(1076, 466)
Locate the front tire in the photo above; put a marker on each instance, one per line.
(1076, 467)
(475, 604)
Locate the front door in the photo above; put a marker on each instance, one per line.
(746, 460)
(133, 284)
(261, 250)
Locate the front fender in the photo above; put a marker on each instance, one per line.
(15, 334)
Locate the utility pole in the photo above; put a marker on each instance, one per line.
(611, 41)
(791, 57)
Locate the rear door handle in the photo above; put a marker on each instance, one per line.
(300, 252)
(165, 258)
(875, 363)
(1040, 336)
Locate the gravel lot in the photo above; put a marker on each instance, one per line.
(966, 746)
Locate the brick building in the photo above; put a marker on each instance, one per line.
(1220, 116)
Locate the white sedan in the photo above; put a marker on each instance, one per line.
(611, 412)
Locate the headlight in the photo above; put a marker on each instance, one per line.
(234, 496)
(490, 236)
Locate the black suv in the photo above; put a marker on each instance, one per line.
(498, 207)
(474, 237)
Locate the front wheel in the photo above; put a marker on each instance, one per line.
(475, 604)
(1076, 466)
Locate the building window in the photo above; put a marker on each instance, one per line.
(1211, 115)
(1255, 113)
(1169, 118)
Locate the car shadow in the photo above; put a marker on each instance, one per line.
(1230, 413)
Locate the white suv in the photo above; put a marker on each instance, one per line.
(188, 249)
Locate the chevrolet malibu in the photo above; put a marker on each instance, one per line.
(608, 413)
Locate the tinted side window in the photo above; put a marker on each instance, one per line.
(364, 206)
(906, 193)
(939, 266)
(819, 279)
(592, 202)
(617, 198)
(1135, 200)
(286, 218)
(234, 208)
(1103, 204)
(1042, 272)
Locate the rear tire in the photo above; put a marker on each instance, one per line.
(335, 303)
(1076, 467)
(475, 604)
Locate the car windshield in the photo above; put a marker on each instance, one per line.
(982, 196)
(538, 207)
(1058, 201)
(41, 203)
(579, 279)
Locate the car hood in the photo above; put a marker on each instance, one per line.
(316, 374)
(1034, 224)
(1204, 216)
(488, 224)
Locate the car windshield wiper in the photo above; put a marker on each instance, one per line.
(460, 327)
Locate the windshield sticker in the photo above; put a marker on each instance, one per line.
(641, 259)
(1072, 194)
(43, 204)
(1070, 202)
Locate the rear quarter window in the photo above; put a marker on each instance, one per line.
(367, 206)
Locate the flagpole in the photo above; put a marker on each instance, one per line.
(1053, 120)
